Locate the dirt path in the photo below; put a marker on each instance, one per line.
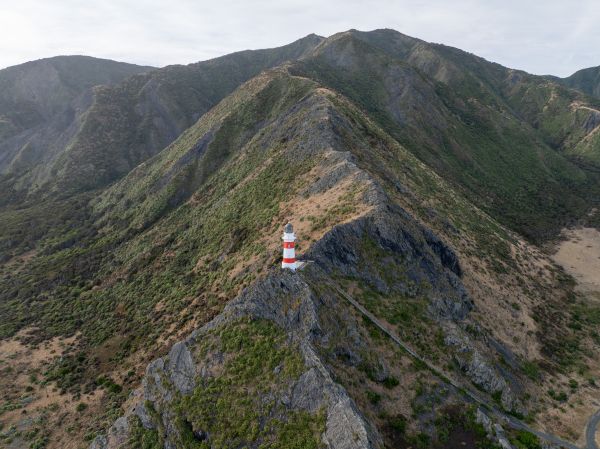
(591, 430)
(466, 391)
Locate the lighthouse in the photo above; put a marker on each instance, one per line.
(289, 254)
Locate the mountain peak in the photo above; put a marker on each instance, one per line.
(586, 80)
(140, 250)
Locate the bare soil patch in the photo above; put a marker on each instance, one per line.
(579, 255)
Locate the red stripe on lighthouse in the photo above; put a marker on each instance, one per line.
(292, 260)
(288, 244)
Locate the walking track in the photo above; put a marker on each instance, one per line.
(471, 395)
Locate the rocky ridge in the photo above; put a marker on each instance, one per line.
(287, 300)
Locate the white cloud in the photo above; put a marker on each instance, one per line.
(541, 37)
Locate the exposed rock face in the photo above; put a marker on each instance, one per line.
(116, 437)
(494, 431)
(314, 390)
(480, 371)
(401, 242)
(384, 239)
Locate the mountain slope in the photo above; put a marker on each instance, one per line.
(464, 124)
(192, 227)
(111, 131)
(158, 299)
(33, 92)
(586, 80)
(114, 128)
(40, 99)
(398, 269)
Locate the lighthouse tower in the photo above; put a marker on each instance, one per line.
(289, 254)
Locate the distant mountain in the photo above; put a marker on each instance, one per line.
(507, 138)
(33, 93)
(103, 132)
(42, 105)
(140, 253)
(585, 80)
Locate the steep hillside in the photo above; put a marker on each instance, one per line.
(197, 225)
(111, 129)
(148, 309)
(586, 80)
(32, 93)
(39, 101)
(473, 121)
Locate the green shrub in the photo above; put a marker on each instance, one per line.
(373, 397)
(390, 382)
(398, 424)
(531, 370)
(81, 407)
(526, 440)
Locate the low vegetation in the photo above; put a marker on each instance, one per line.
(240, 406)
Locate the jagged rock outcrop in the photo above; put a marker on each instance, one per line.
(117, 435)
(494, 431)
(394, 239)
(314, 390)
(481, 371)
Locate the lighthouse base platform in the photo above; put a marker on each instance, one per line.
(298, 265)
(301, 264)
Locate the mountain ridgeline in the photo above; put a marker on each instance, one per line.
(110, 128)
(142, 210)
(585, 80)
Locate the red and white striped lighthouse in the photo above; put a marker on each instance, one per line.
(289, 253)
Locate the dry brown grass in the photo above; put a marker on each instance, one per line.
(27, 364)
(579, 255)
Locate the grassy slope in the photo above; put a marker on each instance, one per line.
(586, 80)
(133, 284)
(463, 126)
(125, 125)
(202, 232)
(128, 123)
(164, 241)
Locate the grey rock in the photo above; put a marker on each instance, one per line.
(380, 370)
(485, 421)
(100, 442)
(501, 437)
(116, 437)
(345, 428)
(480, 370)
(504, 443)
(308, 392)
(140, 411)
(182, 368)
(347, 355)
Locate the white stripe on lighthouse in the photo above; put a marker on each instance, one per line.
(289, 252)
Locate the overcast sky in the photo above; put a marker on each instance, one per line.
(544, 37)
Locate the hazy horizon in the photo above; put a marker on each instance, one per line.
(551, 39)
